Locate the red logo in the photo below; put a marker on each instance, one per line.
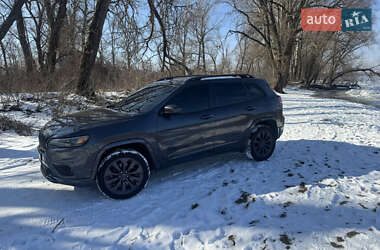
(318, 19)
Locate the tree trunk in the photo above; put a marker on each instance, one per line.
(11, 18)
(56, 24)
(38, 22)
(199, 56)
(28, 57)
(84, 25)
(284, 64)
(91, 49)
(4, 58)
(203, 55)
(281, 82)
(40, 53)
(184, 50)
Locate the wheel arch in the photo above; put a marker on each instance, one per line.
(271, 123)
(138, 145)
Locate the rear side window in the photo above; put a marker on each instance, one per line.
(254, 90)
(192, 98)
(228, 92)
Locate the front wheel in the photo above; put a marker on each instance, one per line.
(263, 142)
(123, 174)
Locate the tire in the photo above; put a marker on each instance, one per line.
(122, 174)
(262, 143)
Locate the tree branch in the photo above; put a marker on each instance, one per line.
(247, 36)
(369, 71)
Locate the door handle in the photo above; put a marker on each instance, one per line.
(206, 116)
(250, 108)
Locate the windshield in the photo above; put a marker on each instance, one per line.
(146, 98)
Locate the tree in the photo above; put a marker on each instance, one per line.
(148, 39)
(91, 48)
(28, 57)
(125, 36)
(274, 25)
(37, 13)
(4, 58)
(55, 23)
(6, 25)
(167, 58)
(202, 29)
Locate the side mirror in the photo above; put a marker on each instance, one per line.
(171, 109)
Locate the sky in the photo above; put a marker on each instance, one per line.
(372, 53)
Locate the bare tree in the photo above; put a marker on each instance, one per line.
(323, 57)
(37, 11)
(6, 25)
(3, 51)
(273, 25)
(172, 37)
(28, 57)
(202, 29)
(178, 19)
(91, 49)
(125, 34)
(56, 22)
(167, 58)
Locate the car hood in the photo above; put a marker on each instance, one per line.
(81, 120)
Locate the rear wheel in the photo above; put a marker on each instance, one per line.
(262, 143)
(123, 174)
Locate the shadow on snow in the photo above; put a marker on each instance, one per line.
(168, 198)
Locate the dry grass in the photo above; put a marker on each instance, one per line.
(104, 77)
(20, 128)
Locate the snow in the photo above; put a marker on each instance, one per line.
(320, 188)
(370, 90)
(38, 108)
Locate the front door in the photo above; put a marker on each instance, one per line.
(184, 133)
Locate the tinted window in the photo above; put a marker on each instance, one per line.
(228, 92)
(192, 98)
(254, 89)
(145, 98)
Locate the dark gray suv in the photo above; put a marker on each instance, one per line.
(169, 121)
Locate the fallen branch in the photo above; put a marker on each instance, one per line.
(59, 223)
(369, 71)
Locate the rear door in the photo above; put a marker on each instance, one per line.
(184, 134)
(259, 99)
(230, 102)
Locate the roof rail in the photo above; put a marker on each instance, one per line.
(173, 77)
(200, 77)
(205, 77)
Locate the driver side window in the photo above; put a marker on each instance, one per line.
(192, 98)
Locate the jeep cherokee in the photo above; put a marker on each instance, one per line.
(167, 122)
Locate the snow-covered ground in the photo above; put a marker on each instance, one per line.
(370, 91)
(37, 109)
(320, 190)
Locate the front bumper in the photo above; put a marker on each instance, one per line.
(47, 173)
(280, 125)
(66, 166)
(280, 131)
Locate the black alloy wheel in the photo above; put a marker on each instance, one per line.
(123, 175)
(263, 143)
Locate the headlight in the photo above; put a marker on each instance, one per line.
(69, 142)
